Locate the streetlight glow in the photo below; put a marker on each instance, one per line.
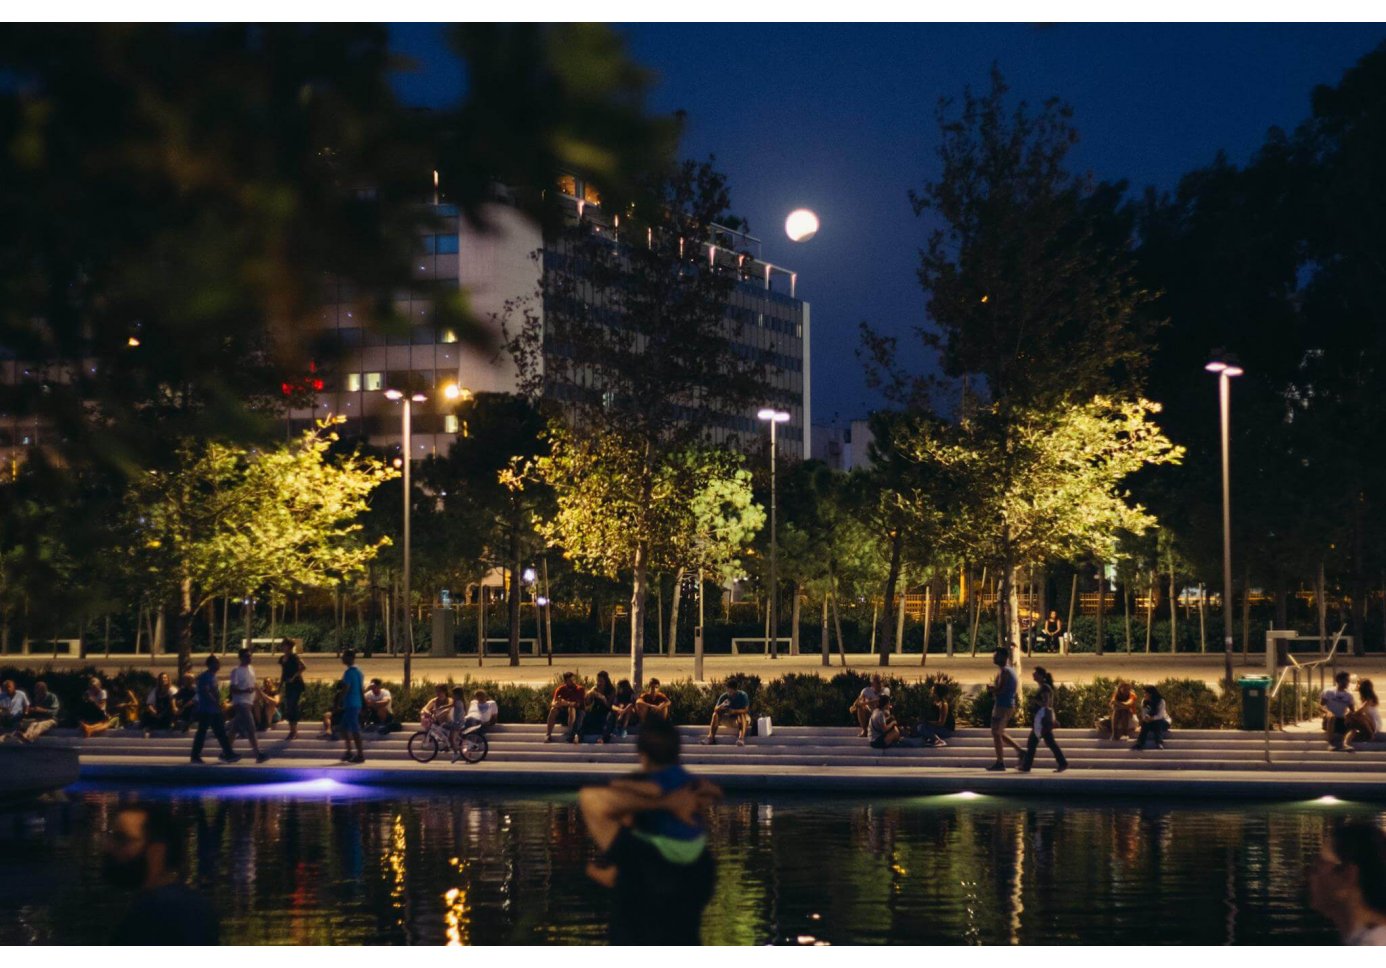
(1225, 371)
(769, 413)
(393, 395)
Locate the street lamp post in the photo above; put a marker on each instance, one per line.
(1226, 371)
(408, 399)
(774, 418)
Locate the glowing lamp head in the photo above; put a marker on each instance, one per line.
(1224, 369)
(418, 398)
(393, 395)
(801, 225)
(771, 414)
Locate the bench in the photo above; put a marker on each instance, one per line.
(762, 642)
(530, 645)
(49, 646)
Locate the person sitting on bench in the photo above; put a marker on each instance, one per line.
(733, 708)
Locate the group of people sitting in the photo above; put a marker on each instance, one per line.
(874, 711)
(604, 710)
(24, 718)
(1143, 720)
(1344, 720)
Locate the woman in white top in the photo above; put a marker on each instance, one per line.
(1155, 720)
(1364, 722)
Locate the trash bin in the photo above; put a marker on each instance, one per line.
(1255, 701)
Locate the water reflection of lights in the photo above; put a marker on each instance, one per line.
(324, 787)
(1328, 798)
(456, 915)
(394, 861)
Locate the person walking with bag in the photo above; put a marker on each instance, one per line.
(1043, 728)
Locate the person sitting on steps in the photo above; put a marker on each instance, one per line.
(1124, 719)
(866, 702)
(652, 703)
(1364, 722)
(1155, 720)
(936, 731)
(1336, 703)
(884, 730)
(622, 711)
(567, 705)
(159, 710)
(733, 708)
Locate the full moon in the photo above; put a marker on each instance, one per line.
(801, 225)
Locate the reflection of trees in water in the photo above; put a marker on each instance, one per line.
(431, 867)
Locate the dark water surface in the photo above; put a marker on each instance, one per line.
(325, 863)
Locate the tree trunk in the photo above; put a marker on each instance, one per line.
(548, 609)
(637, 616)
(1321, 603)
(659, 612)
(1100, 646)
(795, 609)
(480, 621)
(1126, 611)
(247, 612)
(1150, 611)
(1173, 612)
(823, 643)
(1043, 610)
(185, 620)
(875, 611)
(513, 604)
(928, 621)
(837, 619)
(1202, 618)
(674, 613)
(1072, 601)
(897, 541)
(900, 614)
(976, 612)
(226, 621)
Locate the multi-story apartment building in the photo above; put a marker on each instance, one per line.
(504, 265)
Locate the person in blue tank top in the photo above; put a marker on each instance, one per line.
(1005, 692)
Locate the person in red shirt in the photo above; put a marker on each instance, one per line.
(567, 702)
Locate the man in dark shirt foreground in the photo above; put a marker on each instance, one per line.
(145, 851)
(653, 844)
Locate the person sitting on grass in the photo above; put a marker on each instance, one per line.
(435, 710)
(1155, 721)
(1336, 703)
(185, 703)
(92, 716)
(866, 702)
(622, 710)
(13, 705)
(159, 711)
(652, 703)
(380, 707)
(42, 714)
(883, 729)
(935, 731)
(1124, 720)
(1364, 722)
(566, 705)
(733, 708)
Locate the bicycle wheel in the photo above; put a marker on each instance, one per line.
(474, 747)
(423, 747)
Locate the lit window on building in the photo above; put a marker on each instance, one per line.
(567, 184)
(448, 336)
(450, 423)
(590, 195)
(353, 382)
(374, 381)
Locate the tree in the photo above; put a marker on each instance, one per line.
(230, 520)
(1052, 486)
(639, 349)
(1030, 286)
(618, 511)
(185, 199)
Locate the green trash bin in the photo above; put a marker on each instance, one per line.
(1255, 701)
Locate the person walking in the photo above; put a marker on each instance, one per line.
(209, 714)
(1043, 728)
(353, 689)
(291, 670)
(1005, 690)
(243, 692)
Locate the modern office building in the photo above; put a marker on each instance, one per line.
(844, 446)
(502, 266)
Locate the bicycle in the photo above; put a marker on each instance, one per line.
(468, 743)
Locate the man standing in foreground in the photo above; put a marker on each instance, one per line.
(1005, 692)
(353, 697)
(653, 844)
(146, 851)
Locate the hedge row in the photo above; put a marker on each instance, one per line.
(793, 700)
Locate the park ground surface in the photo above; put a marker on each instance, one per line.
(967, 670)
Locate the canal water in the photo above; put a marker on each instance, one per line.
(321, 862)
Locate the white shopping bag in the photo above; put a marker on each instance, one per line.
(763, 726)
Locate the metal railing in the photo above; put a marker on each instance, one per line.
(1301, 697)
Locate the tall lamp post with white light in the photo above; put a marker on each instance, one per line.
(774, 418)
(452, 392)
(1225, 372)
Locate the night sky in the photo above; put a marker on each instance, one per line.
(841, 119)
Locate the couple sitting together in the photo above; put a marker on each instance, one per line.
(875, 715)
